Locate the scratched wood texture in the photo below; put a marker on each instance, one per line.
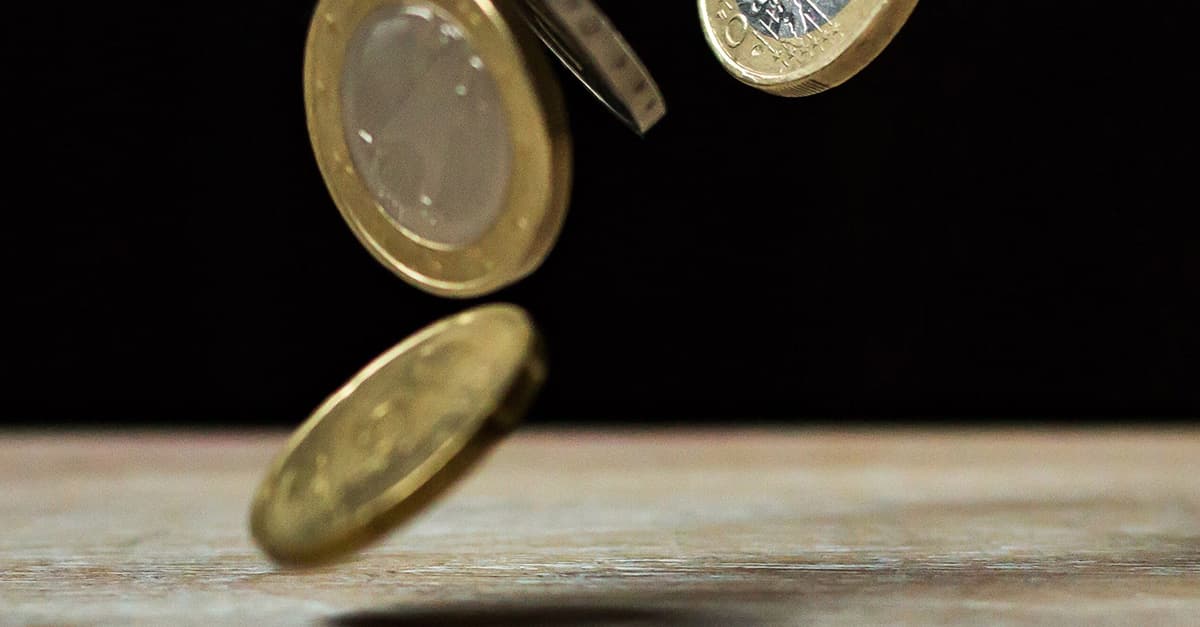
(609, 527)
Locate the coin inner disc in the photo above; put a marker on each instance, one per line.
(784, 19)
(425, 124)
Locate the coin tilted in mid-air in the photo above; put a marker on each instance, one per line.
(398, 434)
(582, 37)
(441, 135)
(800, 47)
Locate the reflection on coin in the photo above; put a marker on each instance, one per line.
(800, 47)
(441, 135)
(596, 53)
(398, 434)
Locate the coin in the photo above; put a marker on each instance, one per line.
(586, 42)
(441, 135)
(800, 47)
(397, 435)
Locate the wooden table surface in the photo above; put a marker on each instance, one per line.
(608, 527)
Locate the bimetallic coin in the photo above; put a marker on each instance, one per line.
(800, 47)
(441, 135)
(595, 52)
(397, 435)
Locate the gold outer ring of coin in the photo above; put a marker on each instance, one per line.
(823, 58)
(369, 459)
(538, 190)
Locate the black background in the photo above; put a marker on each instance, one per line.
(991, 222)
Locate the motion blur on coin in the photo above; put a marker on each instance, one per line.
(800, 47)
(398, 435)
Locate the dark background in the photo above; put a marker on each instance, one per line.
(992, 222)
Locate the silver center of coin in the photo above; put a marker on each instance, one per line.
(785, 19)
(425, 124)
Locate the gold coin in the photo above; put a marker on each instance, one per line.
(441, 134)
(397, 435)
(800, 47)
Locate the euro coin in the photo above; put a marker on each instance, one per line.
(441, 135)
(397, 435)
(592, 49)
(800, 47)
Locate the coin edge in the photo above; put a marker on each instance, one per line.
(871, 42)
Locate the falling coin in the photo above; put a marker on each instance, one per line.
(441, 134)
(582, 37)
(800, 47)
(397, 435)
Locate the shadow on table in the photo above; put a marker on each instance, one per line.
(500, 615)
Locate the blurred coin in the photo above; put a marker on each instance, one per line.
(800, 47)
(440, 133)
(397, 435)
(588, 44)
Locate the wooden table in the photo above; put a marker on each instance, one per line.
(650, 527)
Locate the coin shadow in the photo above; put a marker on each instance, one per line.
(556, 614)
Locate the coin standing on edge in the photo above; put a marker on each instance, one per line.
(800, 47)
(398, 434)
(441, 135)
(584, 40)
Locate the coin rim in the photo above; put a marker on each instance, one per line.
(880, 29)
(636, 98)
(432, 477)
(539, 186)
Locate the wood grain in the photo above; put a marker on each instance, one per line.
(653, 527)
